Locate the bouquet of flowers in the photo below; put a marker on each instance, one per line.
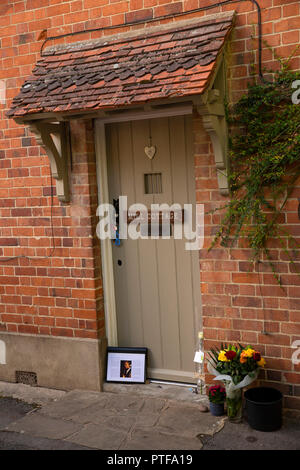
(216, 394)
(237, 367)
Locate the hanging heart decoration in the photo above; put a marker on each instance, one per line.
(150, 151)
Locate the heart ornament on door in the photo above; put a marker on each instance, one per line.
(150, 151)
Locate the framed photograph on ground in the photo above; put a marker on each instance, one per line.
(126, 365)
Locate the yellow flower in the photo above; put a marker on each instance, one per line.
(248, 352)
(245, 354)
(261, 363)
(222, 356)
(243, 358)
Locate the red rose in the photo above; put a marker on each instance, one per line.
(230, 355)
(257, 356)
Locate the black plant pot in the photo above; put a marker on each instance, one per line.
(264, 408)
(216, 409)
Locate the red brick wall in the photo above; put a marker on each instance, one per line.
(244, 303)
(62, 295)
(50, 291)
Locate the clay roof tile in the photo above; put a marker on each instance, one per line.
(174, 60)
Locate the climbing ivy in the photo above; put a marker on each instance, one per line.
(264, 156)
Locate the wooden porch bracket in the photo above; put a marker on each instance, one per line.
(54, 137)
(212, 110)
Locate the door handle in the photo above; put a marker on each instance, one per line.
(117, 240)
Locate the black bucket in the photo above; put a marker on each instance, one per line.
(264, 408)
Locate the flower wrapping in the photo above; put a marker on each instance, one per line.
(227, 379)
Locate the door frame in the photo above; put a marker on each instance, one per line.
(103, 197)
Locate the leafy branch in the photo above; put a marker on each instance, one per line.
(264, 165)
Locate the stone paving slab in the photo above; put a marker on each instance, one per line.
(111, 421)
(96, 414)
(73, 402)
(153, 405)
(99, 437)
(188, 421)
(125, 403)
(124, 421)
(38, 425)
(165, 391)
(145, 438)
(149, 413)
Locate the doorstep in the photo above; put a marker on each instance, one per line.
(166, 391)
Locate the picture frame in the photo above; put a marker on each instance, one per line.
(126, 365)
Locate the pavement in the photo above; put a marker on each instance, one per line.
(148, 417)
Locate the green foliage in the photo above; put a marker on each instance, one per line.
(237, 367)
(264, 165)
